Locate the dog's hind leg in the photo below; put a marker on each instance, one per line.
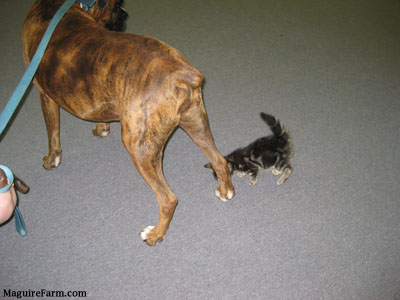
(145, 142)
(51, 113)
(194, 122)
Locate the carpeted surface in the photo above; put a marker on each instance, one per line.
(330, 70)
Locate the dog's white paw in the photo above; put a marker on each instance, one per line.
(218, 195)
(145, 232)
(229, 195)
(104, 133)
(57, 161)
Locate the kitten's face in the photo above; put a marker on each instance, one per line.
(236, 163)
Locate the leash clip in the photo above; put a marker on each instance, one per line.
(86, 4)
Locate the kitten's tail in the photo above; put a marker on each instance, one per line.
(273, 123)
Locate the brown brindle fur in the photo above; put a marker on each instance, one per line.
(103, 76)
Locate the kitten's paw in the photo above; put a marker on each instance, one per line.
(240, 174)
(229, 195)
(276, 171)
(252, 181)
(280, 181)
(286, 174)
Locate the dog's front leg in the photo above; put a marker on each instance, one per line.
(51, 113)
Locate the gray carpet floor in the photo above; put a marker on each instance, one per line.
(330, 70)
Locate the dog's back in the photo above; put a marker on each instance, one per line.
(85, 64)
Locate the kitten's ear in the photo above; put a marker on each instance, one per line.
(208, 166)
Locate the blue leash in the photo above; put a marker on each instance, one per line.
(23, 85)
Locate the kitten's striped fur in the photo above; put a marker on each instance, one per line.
(271, 152)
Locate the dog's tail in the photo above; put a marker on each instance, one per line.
(274, 124)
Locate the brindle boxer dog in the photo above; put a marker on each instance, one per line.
(100, 75)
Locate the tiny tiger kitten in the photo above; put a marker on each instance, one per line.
(270, 152)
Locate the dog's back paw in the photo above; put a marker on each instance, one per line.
(101, 129)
